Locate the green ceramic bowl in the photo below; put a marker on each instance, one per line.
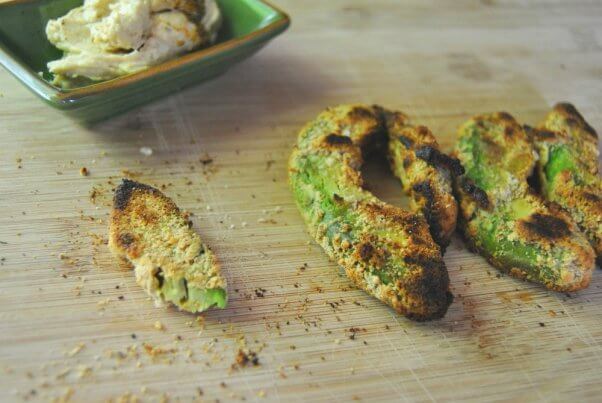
(24, 51)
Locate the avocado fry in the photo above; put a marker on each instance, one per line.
(171, 262)
(426, 174)
(507, 223)
(384, 250)
(568, 169)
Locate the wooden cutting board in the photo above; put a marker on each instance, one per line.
(74, 325)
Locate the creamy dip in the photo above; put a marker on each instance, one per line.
(104, 39)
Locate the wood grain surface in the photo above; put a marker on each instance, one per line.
(75, 326)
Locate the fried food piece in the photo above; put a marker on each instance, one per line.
(171, 262)
(568, 169)
(502, 219)
(385, 250)
(426, 174)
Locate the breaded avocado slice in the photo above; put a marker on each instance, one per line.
(568, 169)
(170, 261)
(384, 249)
(426, 174)
(507, 223)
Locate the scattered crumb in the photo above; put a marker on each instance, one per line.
(83, 171)
(156, 351)
(245, 358)
(65, 397)
(159, 326)
(206, 160)
(103, 303)
(266, 221)
(131, 174)
(84, 371)
(75, 350)
(126, 398)
(63, 373)
(353, 331)
(146, 151)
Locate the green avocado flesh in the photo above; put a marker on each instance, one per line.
(559, 160)
(191, 298)
(568, 176)
(477, 170)
(315, 187)
(493, 238)
(510, 228)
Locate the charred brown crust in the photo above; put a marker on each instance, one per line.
(594, 198)
(412, 222)
(126, 189)
(429, 281)
(337, 198)
(366, 250)
(371, 258)
(509, 131)
(430, 213)
(476, 193)
(539, 134)
(410, 148)
(426, 190)
(126, 239)
(506, 116)
(406, 141)
(425, 261)
(574, 118)
(435, 157)
(336, 139)
(544, 226)
(124, 203)
(407, 162)
(360, 112)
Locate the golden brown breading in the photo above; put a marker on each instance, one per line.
(568, 169)
(425, 173)
(384, 249)
(504, 220)
(170, 260)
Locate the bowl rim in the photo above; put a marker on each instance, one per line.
(61, 96)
